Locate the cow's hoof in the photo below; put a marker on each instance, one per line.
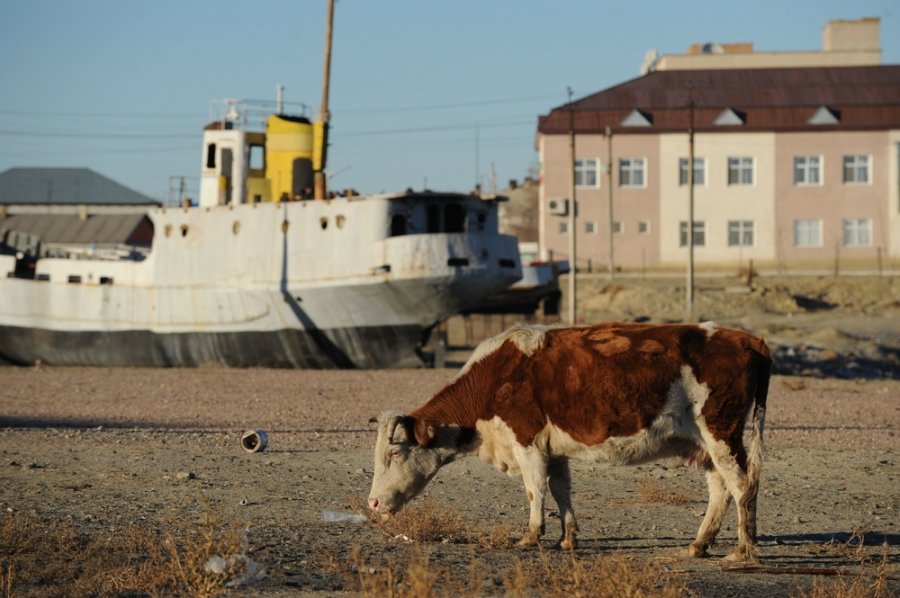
(567, 544)
(696, 551)
(528, 540)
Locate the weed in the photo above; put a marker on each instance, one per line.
(40, 558)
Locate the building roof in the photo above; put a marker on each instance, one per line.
(65, 186)
(776, 99)
(72, 229)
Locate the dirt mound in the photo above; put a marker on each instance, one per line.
(827, 326)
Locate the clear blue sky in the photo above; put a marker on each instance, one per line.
(432, 91)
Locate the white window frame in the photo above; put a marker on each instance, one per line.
(563, 227)
(617, 227)
(807, 171)
(643, 227)
(590, 227)
(744, 170)
(807, 232)
(699, 172)
(699, 233)
(857, 232)
(631, 169)
(856, 169)
(741, 233)
(587, 173)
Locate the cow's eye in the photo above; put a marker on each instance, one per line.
(395, 454)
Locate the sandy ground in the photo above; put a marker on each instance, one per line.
(107, 448)
(104, 449)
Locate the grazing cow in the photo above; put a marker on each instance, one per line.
(532, 397)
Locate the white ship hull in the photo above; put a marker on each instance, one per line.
(300, 284)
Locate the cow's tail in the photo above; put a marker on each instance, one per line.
(758, 418)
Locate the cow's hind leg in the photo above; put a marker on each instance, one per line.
(719, 498)
(560, 487)
(739, 485)
(534, 473)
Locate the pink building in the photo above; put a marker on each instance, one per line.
(795, 168)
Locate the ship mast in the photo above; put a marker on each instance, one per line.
(324, 115)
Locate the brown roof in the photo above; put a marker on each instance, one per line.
(777, 99)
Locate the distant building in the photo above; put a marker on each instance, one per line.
(844, 43)
(794, 168)
(56, 212)
(66, 186)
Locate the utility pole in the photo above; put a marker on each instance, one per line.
(689, 298)
(609, 171)
(324, 115)
(571, 214)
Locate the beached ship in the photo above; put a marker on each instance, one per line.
(259, 274)
(268, 269)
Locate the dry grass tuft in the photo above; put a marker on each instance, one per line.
(38, 558)
(596, 577)
(424, 522)
(872, 581)
(650, 491)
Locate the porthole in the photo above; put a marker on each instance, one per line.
(285, 225)
(340, 220)
(323, 222)
(236, 227)
(168, 230)
(184, 230)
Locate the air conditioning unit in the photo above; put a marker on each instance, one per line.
(557, 206)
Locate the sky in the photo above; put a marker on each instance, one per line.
(424, 93)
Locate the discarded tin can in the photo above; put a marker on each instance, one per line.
(254, 441)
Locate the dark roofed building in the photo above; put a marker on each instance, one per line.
(66, 186)
(772, 99)
(795, 169)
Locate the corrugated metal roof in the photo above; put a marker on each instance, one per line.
(54, 186)
(772, 99)
(71, 229)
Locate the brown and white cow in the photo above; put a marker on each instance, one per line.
(533, 397)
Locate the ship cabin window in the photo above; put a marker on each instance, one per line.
(434, 218)
(454, 218)
(257, 158)
(398, 225)
(211, 155)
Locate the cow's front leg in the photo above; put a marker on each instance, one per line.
(561, 488)
(534, 473)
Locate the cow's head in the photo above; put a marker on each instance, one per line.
(408, 452)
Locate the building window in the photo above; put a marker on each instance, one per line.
(631, 172)
(856, 169)
(563, 227)
(643, 227)
(857, 232)
(740, 233)
(807, 233)
(699, 234)
(617, 227)
(740, 170)
(590, 227)
(807, 170)
(586, 172)
(699, 171)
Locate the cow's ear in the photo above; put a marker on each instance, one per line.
(425, 432)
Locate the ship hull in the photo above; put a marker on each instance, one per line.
(356, 347)
(303, 285)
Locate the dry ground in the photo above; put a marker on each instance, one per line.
(107, 449)
(103, 451)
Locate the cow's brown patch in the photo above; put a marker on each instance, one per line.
(606, 380)
(608, 343)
